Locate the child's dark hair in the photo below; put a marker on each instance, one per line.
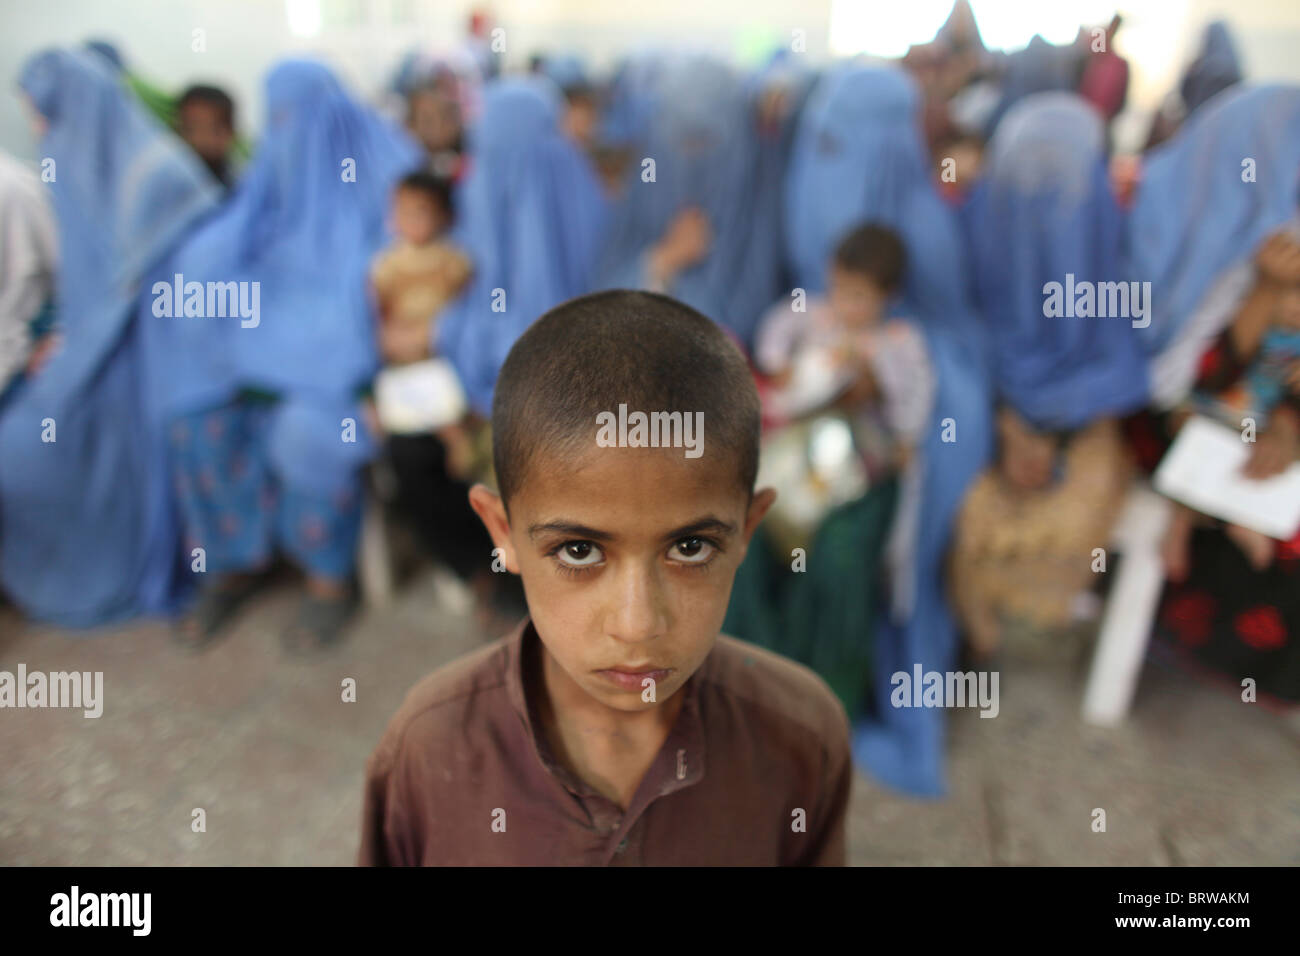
(211, 96)
(641, 349)
(876, 252)
(438, 188)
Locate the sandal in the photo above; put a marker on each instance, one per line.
(212, 611)
(321, 623)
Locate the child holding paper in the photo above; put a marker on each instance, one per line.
(1250, 377)
(1236, 610)
(414, 279)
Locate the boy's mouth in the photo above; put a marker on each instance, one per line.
(634, 679)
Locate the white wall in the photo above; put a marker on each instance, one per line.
(243, 38)
(365, 37)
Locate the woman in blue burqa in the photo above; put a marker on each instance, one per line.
(686, 221)
(531, 218)
(1215, 68)
(530, 214)
(1216, 230)
(264, 408)
(1044, 213)
(87, 531)
(858, 158)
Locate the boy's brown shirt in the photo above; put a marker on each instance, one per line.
(756, 771)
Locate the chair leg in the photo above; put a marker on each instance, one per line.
(375, 561)
(1130, 609)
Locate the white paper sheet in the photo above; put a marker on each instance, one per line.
(1203, 471)
(419, 397)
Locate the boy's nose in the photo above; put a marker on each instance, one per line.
(639, 612)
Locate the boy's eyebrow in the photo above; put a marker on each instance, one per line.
(707, 523)
(569, 528)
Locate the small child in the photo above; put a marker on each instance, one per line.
(420, 272)
(959, 160)
(205, 119)
(850, 392)
(874, 368)
(1255, 385)
(616, 725)
(1262, 384)
(414, 280)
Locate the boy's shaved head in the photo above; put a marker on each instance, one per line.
(592, 354)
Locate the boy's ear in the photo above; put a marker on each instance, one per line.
(487, 504)
(762, 501)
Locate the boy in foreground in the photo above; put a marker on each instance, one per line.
(616, 725)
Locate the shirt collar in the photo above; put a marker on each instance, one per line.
(680, 762)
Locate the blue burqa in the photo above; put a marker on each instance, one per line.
(858, 157)
(692, 115)
(1209, 196)
(1045, 211)
(1040, 67)
(785, 76)
(1215, 68)
(531, 217)
(303, 224)
(567, 71)
(88, 534)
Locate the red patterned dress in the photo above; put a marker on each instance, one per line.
(1228, 620)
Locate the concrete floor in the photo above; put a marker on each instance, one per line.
(265, 745)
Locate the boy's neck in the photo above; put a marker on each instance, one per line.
(609, 749)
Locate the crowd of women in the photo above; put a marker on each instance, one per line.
(137, 452)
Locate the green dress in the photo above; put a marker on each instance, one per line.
(822, 616)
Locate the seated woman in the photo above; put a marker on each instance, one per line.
(1223, 254)
(1250, 378)
(530, 220)
(1044, 211)
(848, 366)
(268, 433)
(685, 220)
(87, 534)
(857, 157)
(1233, 601)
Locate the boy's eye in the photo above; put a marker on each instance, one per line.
(579, 554)
(693, 550)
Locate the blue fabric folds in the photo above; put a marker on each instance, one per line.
(87, 525)
(1209, 196)
(693, 116)
(857, 158)
(1044, 213)
(301, 228)
(1215, 68)
(531, 216)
